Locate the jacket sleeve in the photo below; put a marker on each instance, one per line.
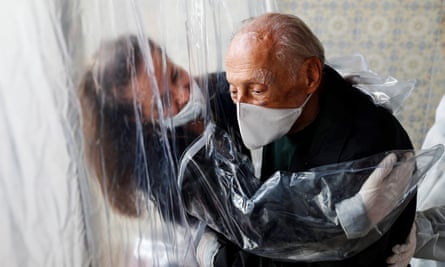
(430, 242)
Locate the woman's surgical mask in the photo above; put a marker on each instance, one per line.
(260, 126)
(191, 111)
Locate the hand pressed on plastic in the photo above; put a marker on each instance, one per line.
(403, 253)
(386, 185)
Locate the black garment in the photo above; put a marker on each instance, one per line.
(349, 126)
(155, 168)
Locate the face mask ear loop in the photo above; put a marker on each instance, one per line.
(307, 100)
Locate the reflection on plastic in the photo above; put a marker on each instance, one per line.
(292, 215)
(384, 90)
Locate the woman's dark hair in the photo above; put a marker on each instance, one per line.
(113, 141)
(129, 155)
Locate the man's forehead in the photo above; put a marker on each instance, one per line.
(261, 75)
(251, 39)
(248, 48)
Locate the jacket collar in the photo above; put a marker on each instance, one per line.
(332, 125)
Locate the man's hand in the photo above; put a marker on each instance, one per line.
(403, 253)
(386, 185)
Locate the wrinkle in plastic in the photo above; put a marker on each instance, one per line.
(136, 83)
(290, 216)
(384, 90)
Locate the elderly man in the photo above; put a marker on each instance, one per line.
(295, 113)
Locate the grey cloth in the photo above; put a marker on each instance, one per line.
(431, 234)
(430, 220)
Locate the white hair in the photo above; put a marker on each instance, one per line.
(293, 39)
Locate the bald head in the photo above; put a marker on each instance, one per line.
(286, 36)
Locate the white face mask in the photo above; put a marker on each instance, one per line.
(260, 126)
(191, 111)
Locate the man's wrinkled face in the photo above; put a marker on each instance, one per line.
(255, 75)
(172, 82)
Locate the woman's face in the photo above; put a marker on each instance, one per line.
(170, 80)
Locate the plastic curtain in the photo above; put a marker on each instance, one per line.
(53, 209)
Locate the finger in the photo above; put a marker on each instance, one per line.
(400, 259)
(400, 181)
(383, 169)
(412, 235)
(405, 248)
(408, 160)
(394, 259)
(396, 249)
(389, 160)
(400, 176)
(408, 155)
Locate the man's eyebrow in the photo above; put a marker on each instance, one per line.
(263, 76)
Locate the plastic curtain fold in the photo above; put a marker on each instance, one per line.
(291, 216)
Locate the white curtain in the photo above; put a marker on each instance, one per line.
(52, 213)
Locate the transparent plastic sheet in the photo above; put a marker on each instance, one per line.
(129, 92)
(59, 213)
(290, 216)
(385, 90)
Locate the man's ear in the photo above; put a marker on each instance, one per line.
(313, 70)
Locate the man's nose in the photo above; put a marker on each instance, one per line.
(241, 97)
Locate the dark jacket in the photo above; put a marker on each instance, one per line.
(349, 126)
